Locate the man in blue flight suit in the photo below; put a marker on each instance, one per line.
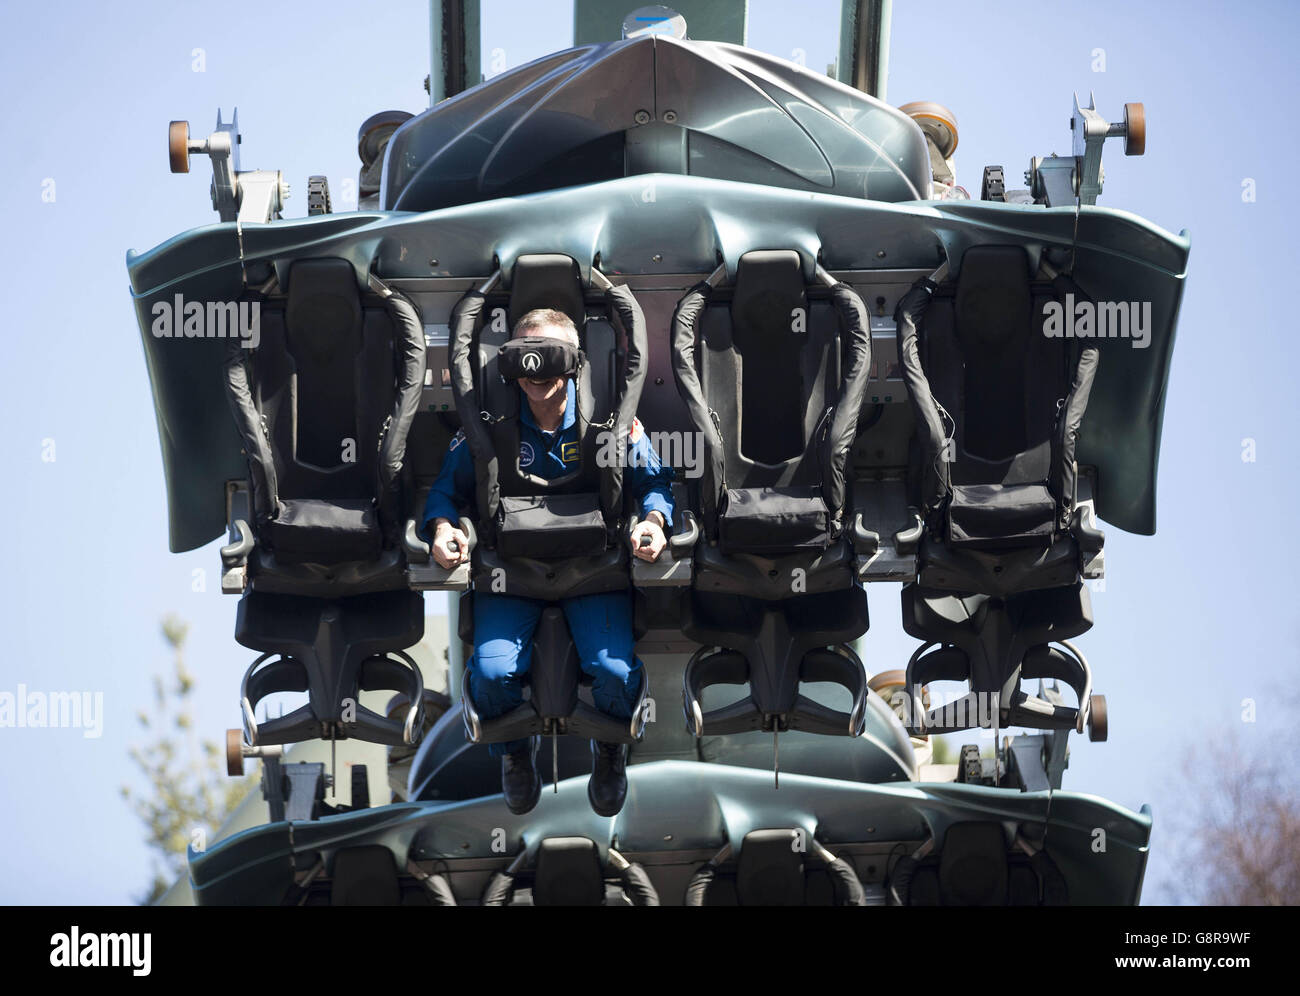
(601, 624)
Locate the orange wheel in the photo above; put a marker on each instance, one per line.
(1135, 129)
(886, 679)
(375, 129)
(234, 753)
(1097, 719)
(178, 146)
(936, 121)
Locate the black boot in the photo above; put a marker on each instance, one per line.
(520, 782)
(607, 787)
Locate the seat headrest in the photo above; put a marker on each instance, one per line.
(993, 302)
(546, 280)
(365, 876)
(323, 313)
(769, 285)
(569, 873)
(770, 871)
(973, 865)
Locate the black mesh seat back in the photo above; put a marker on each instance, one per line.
(1022, 885)
(994, 372)
(770, 870)
(770, 366)
(365, 876)
(569, 873)
(325, 378)
(973, 865)
(975, 869)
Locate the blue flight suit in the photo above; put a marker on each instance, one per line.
(504, 624)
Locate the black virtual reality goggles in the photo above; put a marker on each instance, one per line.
(542, 357)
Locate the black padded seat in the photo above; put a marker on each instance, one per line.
(998, 406)
(973, 865)
(570, 871)
(774, 520)
(560, 537)
(772, 871)
(1000, 516)
(773, 374)
(769, 299)
(1036, 617)
(323, 406)
(313, 531)
(325, 340)
(773, 379)
(976, 868)
(326, 380)
(365, 876)
(524, 511)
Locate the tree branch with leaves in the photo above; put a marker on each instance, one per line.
(189, 795)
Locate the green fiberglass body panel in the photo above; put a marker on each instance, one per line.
(679, 813)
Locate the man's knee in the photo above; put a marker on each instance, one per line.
(615, 682)
(602, 631)
(503, 631)
(614, 665)
(495, 668)
(494, 684)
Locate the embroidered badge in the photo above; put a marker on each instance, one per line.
(569, 452)
(457, 439)
(525, 454)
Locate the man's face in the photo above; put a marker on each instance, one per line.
(545, 389)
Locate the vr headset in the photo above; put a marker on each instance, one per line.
(539, 356)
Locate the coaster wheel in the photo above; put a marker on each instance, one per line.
(936, 121)
(1097, 719)
(1135, 129)
(178, 146)
(375, 129)
(234, 753)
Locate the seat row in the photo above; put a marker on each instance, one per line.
(774, 538)
(768, 868)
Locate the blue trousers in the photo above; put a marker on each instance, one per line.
(503, 648)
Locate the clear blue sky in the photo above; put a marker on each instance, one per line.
(1192, 621)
